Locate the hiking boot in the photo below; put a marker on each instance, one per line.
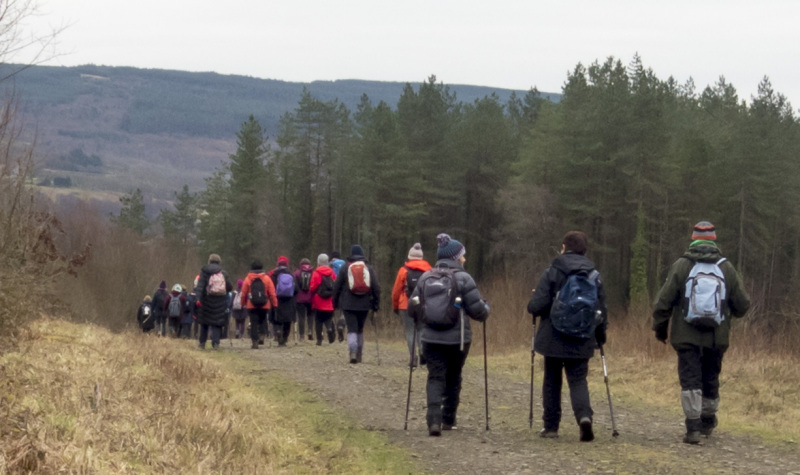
(422, 360)
(331, 337)
(587, 435)
(260, 341)
(254, 345)
(319, 342)
(435, 430)
(692, 431)
(341, 334)
(215, 346)
(358, 357)
(548, 433)
(201, 346)
(353, 357)
(446, 426)
(310, 337)
(707, 424)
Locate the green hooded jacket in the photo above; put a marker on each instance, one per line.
(669, 302)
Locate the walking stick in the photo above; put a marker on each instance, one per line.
(377, 346)
(485, 376)
(533, 354)
(608, 393)
(410, 372)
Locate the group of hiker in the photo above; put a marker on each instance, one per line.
(693, 311)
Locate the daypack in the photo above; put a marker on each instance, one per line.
(336, 265)
(175, 309)
(305, 280)
(358, 279)
(412, 277)
(325, 289)
(216, 284)
(237, 300)
(437, 299)
(574, 310)
(285, 287)
(146, 312)
(704, 295)
(258, 293)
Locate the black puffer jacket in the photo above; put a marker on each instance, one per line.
(474, 306)
(346, 300)
(213, 308)
(549, 342)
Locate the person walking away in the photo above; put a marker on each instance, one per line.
(566, 345)
(258, 297)
(188, 313)
(160, 308)
(286, 290)
(175, 305)
(446, 333)
(356, 292)
(322, 283)
(239, 312)
(336, 263)
(212, 293)
(699, 310)
(404, 285)
(304, 296)
(145, 316)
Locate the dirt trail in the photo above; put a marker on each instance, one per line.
(376, 396)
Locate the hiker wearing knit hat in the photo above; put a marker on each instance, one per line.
(283, 261)
(700, 349)
(449, 248)
(404, 284)
(356, 292)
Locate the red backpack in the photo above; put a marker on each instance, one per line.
(358, 279)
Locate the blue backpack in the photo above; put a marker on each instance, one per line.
(574, 309)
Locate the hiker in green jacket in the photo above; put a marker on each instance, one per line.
(701, 293)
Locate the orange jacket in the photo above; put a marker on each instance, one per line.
(272, 297)
(399, 298)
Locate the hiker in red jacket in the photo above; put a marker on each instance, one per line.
(322, 298)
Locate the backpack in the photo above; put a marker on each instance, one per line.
(258, 293)
(216, 284)
(175, 309)
(285, 287)
(237, 300)
(325, 289)
(336, 265)
(358, 278)
(704, 295)
(305, 280)
(437, 299)
(146, 311)
(412, 277)
(574, 310)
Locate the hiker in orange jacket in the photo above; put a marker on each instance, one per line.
(258, 305)
(404, 284)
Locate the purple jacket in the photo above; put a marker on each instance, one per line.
(303, 296)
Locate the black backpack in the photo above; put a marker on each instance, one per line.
(258, 293)
(412, 277)
(437, 299)
(325, 289)
(305, 280)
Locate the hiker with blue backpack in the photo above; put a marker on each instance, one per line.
(440, 300)
(356, 292)
(336, 263)
(700, 295)
(570, 301)
(285, 312)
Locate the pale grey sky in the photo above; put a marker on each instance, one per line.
(513, 44)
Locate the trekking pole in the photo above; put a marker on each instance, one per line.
(411, 369)
(377, 347)
(485, 376)
(533, 354)
(614, 432)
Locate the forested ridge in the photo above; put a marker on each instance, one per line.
(632, 159)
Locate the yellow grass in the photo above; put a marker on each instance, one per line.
(78, 398)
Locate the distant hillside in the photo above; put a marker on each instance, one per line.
(159, 129)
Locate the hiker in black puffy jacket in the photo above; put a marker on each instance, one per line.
(562, 351)
(160, 308)
(442, 348)
(284, 313)
(145, 315)
(356, 307)
(212, 313)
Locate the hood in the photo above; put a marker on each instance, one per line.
(212, 268)
(569, 263)
(703, 251)
(306, 267)
(175, 293)
(356, 258)
(418, 264)
(325, 270)
(449, 263)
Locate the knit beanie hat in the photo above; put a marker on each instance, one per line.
(283, 261)
(449, 248)
(177, 288)
(322, 259)
(415, 253)
(214, 259)
(704, 231)
(162, 285)
(256, 265)
(355, 250)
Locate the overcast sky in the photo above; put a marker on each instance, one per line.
(515, 44)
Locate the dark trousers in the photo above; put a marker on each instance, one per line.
(576, 370)
(699, 368)
(204, 330)
(324, 318)
(258, 323)
(161, 325)
(174, 327)
(355, 320)
(444, 381)
(186, 330)
(282, 331)
(304, 315)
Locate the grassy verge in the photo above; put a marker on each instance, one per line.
(78, 398)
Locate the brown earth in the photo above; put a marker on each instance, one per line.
(375, 396)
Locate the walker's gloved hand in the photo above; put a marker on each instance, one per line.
(661, 334)
(600, 335)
